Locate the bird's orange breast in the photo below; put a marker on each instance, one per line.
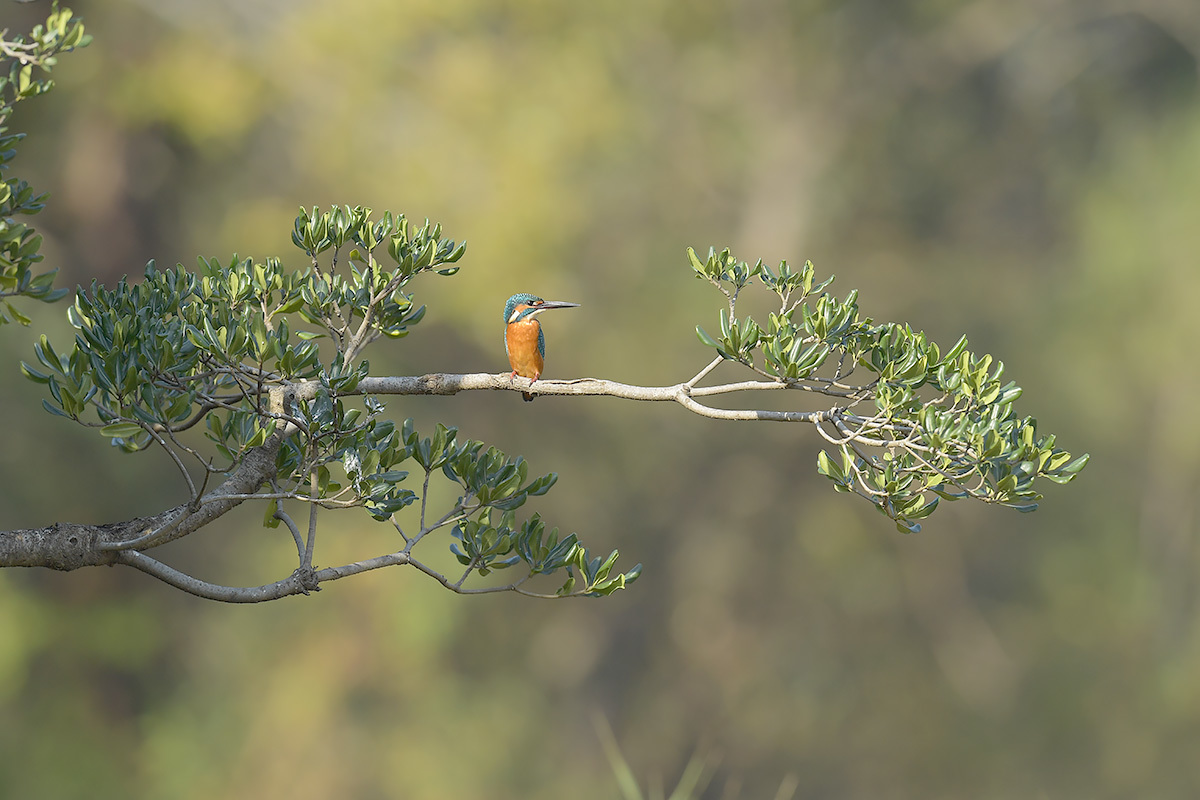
(521, 339)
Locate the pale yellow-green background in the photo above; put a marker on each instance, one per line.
(1027, 173)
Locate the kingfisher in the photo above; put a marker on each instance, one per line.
(524, 341)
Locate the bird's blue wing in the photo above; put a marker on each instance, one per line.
(541, 342)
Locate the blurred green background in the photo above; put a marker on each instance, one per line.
(1026, 172)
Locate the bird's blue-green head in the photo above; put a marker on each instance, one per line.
(523, 305)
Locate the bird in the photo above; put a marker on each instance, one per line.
(524, 341)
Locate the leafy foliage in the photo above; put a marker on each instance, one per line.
(237, 346)
(22, 59)
(925, 426)
(230, 343)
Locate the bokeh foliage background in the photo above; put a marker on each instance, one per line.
(1023, 172)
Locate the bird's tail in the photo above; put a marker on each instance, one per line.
(528, 397)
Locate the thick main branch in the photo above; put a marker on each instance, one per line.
(68, 546)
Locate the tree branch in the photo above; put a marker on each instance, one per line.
(302, 581)
(68, 546)
(444, 383)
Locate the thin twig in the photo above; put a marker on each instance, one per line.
(311, 544)
(283, 517)
(704, 372)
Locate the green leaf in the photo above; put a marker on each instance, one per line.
(121, 430)
(705, 339)
(34, 375)
(826, 467)
(58, 412)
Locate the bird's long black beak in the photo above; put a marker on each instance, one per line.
(556, 304)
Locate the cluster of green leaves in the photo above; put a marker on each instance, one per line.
(335, 432)
(149, 356)
(371, 296)
(222, 344)
(939, 426)
(23, 62)
(488, 543)
(484, 527)
(152, 358)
